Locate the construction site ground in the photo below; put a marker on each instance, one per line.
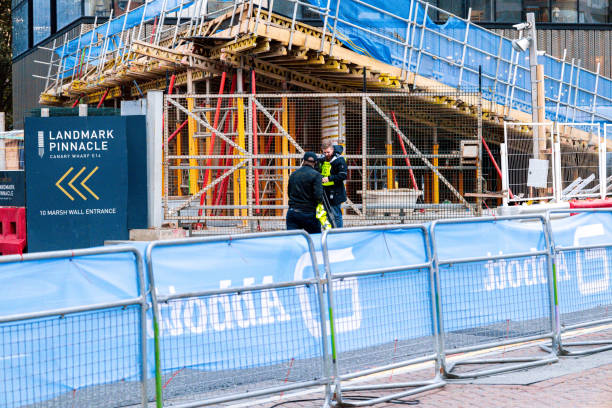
(581, 381)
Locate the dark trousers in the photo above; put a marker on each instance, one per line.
(336, 212)
(303, 220)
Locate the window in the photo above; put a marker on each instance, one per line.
(539, 7)
(41, 20)
(456, 7)
(482, 10)
(595, 11)
(564, 11)
(67, 12)
(20, 28)
(508, 11)
(100, 8)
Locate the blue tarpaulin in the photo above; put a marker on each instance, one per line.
(392, 25)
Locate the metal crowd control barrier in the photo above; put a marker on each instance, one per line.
(84, 355)
(505, 309)
(211, 362)
(585, 303)
(398, 295)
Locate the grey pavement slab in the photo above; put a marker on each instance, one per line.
(566, 365)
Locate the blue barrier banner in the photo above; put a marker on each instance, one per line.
(491, 293)
(248, 321)
(67, 282)
(203, 266)
(238, 328)
(59, 356)
(589, 228)
(481, 239)
(584, 276)
(401, 299)
(245, 330)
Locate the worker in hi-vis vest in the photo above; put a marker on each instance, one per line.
(334, 171)
(305, 195)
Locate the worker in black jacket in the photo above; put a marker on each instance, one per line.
(305, 192)
(334, 171)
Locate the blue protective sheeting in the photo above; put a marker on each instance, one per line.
(129, 20)
(401, 34)
(438, 51)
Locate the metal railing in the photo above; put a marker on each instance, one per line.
(85, 354)
(372, 317)
(227, 365)
(544, 168)
(497, 315)
(586, 303)
(573, 94)
(410, 336)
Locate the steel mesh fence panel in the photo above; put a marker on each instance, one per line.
(232, 156)
(397, 298)
(72, 360)
(222, 345)
(494, 301)
(579, 162)
(256, 332)
(402, 185)
(607, 134)
(530, 161)
(383, 311)
(585, 292)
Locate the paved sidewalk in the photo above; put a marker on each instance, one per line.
(587, 389)
(580, 382)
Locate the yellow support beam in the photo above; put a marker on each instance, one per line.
(48, 99)
(390, 178)
(242, 171)
(95, 97)
(193, 150)
(285, 150)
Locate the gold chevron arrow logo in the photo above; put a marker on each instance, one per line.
(59, 182)
(87, 178)
(73, 179)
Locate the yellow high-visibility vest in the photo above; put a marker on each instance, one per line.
(326, 172)
(321, 215)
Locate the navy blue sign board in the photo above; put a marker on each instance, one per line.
(12, 188)
(76, 181)
(137, 216)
